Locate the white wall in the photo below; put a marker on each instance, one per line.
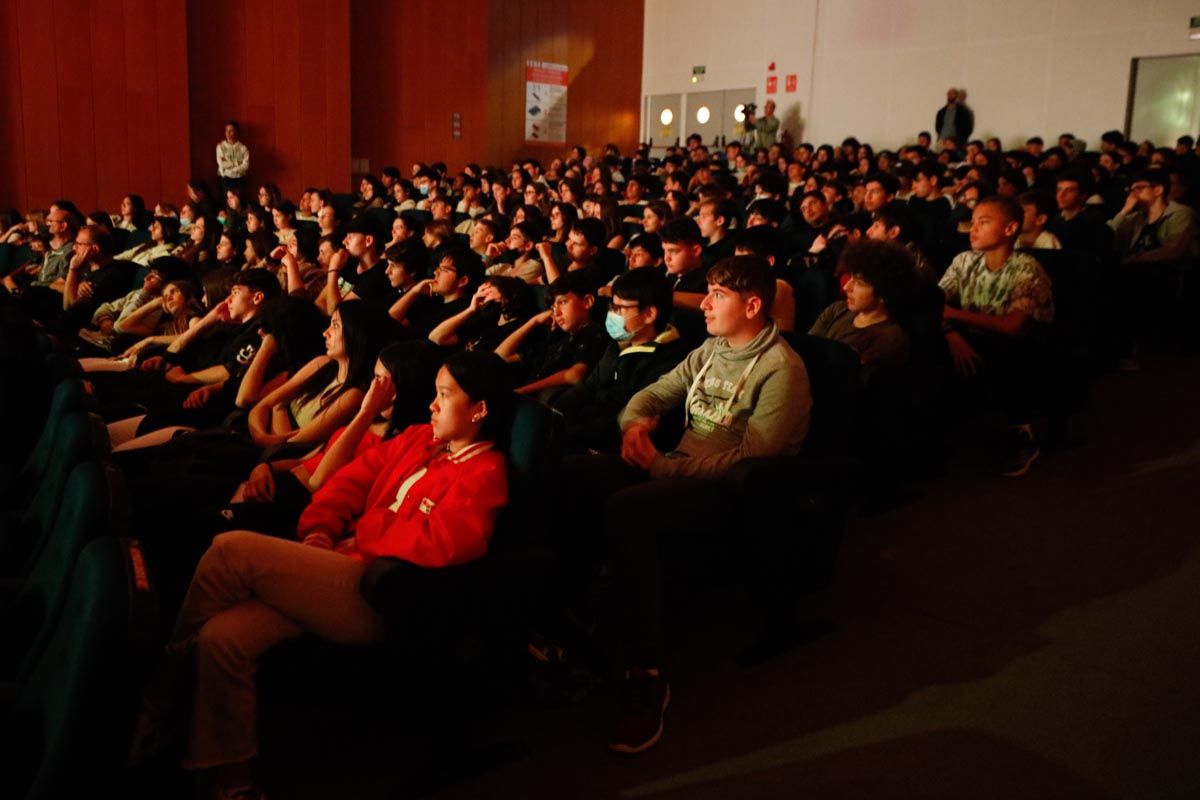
(879, 69)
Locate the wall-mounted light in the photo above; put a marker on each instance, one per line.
(666, 117)
(739, 113)
(702, 114)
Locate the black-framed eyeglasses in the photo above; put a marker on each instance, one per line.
(621, 309)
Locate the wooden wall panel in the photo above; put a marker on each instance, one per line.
(601, 44)
(415, 64)
(13, 176)
(93, 97)
(282, 69)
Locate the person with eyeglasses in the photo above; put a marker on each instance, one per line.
(644, 347)
(1157, 239)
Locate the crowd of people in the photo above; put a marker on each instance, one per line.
(309, 384)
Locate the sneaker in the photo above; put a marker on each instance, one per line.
(1022, 452)
(644, 699)
(251, 792)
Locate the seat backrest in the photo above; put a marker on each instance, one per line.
(72, 719)
(82, 518)
(534, 447)
(72, 444)
(68, 396)
(137, 237)
(833, 380)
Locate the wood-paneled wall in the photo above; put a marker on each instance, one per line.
(99, 98)
(281, 68)
(93, 101)
(415, 64)
(601, 44)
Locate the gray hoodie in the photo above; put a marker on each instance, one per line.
(739, 403)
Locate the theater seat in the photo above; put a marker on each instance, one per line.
(30, 616)
(67, 729)
(27, 522)
(17, 491)
(427, 609)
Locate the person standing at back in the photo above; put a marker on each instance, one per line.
(233, 158)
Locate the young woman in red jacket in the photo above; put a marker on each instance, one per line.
(429, 495)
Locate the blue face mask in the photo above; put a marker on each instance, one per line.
(424, 187)
(614, 323)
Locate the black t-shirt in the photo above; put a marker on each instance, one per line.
(429, 312)
(373, 284)
(689, 322)
(551, 351)
(111, 281)
(240, 348)
(484, 331)
(713, 253)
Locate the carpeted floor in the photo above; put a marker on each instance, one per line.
(1029, 638)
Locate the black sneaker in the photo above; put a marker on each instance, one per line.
(1021, 452)
(644, 698)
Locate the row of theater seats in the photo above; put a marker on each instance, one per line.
(78, 609)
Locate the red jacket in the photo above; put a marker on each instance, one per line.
(409, 498)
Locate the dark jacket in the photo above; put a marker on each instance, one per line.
(591, 407)
(964, 122)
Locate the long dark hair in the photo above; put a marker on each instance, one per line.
(296, 325)
(359, 331)
(486, 377)
(413, 365)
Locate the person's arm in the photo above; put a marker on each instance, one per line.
(400, 308)
(455, 531)
(218, 314)
(295, 283)
(332, 294)
(781, 409)
(259, 420)
(74, 288)
(379, 397)
(255, 379)
(242, 165)
(544, 251)
(446, 332)
(142, 321)
(210, 375)
(329, 419)
(508, 349)
(1011, 324)
(666, 393)
(570, 376)
(344, 496)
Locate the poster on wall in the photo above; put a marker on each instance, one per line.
(545, 102)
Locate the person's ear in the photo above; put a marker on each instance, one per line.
(651, 314)
(481, 411)
(1012, 228)
(259, 298)
(754, 306)
(893, 232)
(588, 300)
(462, 282)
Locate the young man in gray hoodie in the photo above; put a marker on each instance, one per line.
(744, 394)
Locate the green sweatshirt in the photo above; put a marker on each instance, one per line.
(740, 403)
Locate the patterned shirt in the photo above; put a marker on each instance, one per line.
(1020, 285)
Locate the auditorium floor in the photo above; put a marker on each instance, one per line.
(1029, 638)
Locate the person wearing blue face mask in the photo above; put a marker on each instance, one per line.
(644, 347)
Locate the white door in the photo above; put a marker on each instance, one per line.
(705, 112)
(664, 120)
